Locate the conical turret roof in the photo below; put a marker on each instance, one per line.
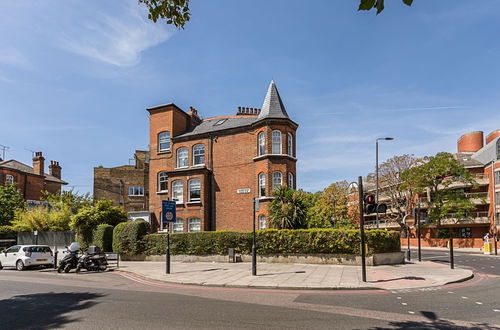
(273, 106)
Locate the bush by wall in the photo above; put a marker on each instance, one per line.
(272, 241)
(6, 232)
(128, 237)
(103, 237)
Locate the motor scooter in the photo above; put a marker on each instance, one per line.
(92, 260)
(70, 260)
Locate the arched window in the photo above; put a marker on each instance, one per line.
(199, 154)
(9, 179)
(277, 142)
(164, 141)
(178, 226)
(178, 191)
(290, 145)
(194, 190)
(162, 181)
(262, 185)
(277, 180)
(498, 149)
(262, 222)
(194, 224)
(182, 157)
(262, 143)
(290, 181)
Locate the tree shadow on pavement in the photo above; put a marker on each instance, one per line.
(435, 323)
(413, 278)
(43, 310)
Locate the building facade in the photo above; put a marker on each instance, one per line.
(214, 168)
(32, 181)
(126, 186)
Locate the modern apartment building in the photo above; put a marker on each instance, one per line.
(213, 168)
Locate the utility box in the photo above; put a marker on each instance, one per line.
(487, 248)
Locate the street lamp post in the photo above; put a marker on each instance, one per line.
(376, 174)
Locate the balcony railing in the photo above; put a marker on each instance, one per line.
(470, 218)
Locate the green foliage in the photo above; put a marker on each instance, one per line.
(435, 177)
(11, 200)
(128, 237)
(330, 207)
(88, 218)
(288, 209)
(273, 241)
(6, 232)
(377, 4)
(174, 11)
(42, 218)
(68, 199)
(103, 237)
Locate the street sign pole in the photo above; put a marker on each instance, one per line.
(254, 248)
(168, 251)
(362, 227)
(168, 215)
(418, 233)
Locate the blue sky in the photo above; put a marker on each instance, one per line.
(76, 77)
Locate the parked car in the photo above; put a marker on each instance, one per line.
(23, 256)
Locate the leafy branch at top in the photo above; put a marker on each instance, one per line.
(377, 4)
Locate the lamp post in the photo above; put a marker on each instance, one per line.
(408, 252)
(361, 225)
(376, 173)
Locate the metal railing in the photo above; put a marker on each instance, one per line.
(469, 215)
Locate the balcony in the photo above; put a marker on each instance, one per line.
(384, 224)
(473, 218)
(479, 198)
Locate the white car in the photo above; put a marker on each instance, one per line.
(23, 256)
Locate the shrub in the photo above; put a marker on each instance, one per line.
(6, 232)
(128, 237)
(273, 241)
(103, 237)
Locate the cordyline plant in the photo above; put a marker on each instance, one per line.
(288, 209)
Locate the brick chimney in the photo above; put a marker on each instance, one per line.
(195, 118)
(38, 164)
(55, 169)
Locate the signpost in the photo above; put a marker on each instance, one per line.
(168, 215)
(256, 207)
(362, 228)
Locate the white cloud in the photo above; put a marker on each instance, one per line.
(117, 38)
(14, 57)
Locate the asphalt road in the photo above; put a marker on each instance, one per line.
(47, 300)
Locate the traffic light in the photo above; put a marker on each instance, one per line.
(372, 207)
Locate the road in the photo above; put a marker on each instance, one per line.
(46, 300)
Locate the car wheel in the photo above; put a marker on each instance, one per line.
(20, 265)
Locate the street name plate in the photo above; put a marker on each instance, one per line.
(243, 191)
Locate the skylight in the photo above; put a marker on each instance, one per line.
(220, 122)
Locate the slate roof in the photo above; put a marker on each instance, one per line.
(207, 125)
(273, 106)
(15, 165)
(488, 153)
(465, 159)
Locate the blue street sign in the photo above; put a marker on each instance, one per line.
(168, 211)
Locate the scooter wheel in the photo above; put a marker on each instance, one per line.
(78, 269)
(59, 270)
(67, 268)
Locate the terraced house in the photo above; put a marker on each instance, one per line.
(214, 167)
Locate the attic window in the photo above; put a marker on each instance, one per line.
(220, 122)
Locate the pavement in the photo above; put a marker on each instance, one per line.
(455, 249)
(300, 276)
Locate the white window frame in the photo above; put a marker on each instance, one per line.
(9, 179)
(262, 222)
(184, 161)
(277, 145)
(261, 143)
(135, 191)
(497, 177)
(290, 145)
(194, 222)
(277, 175)
(162, 178)
(178, 191)
(191, 183)
(178, 226)
(290, 181)
(262, 184)
(163, 138)
(199, 152)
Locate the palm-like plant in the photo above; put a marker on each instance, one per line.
(288, 209)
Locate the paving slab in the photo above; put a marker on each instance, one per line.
(300, 276)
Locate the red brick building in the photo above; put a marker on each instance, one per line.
(214, 167)
(32, 181)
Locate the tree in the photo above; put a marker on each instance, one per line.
(331, 207)
(288, 209)
(69, 199)
(174, 11)
(89, 217)
(10, 201)
(436, 177)
(42, 218)
(377, 4)
(401, 200)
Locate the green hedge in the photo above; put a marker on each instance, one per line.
(103, 237)
(272, 241)
(6, 232)
(128, 237)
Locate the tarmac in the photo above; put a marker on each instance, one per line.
(411, 275)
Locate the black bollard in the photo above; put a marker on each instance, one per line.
(452, 263)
